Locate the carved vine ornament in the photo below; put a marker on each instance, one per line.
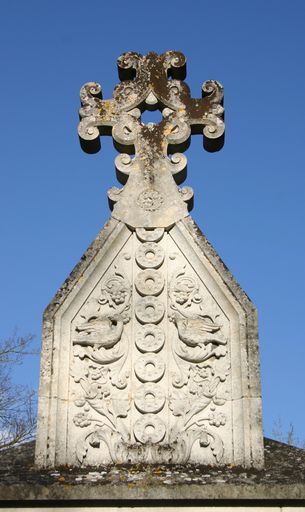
(172, 397)
(101, 364)
(151, 82)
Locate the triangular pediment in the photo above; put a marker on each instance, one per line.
(150, 344)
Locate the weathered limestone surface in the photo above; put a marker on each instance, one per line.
(280, 483)
(150, 349)
(150, 354)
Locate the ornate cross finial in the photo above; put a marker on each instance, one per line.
(151, 197)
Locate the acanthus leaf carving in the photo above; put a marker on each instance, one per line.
(197, 342)
(128, 423)
(101, 347)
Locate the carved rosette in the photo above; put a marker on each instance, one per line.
(150, 356)
(150, 364)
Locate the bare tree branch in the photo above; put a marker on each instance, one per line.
(17, 417)
(288, 437)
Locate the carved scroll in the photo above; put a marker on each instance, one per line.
(151, 177)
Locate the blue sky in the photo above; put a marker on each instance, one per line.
(249, 198)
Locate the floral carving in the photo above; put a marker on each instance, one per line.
(101, 410)
(131, 425)
(183, 291)
(112, 362)
(198, 338)
(100, 353)
(150, 200)
(193, 418)
(116, 292)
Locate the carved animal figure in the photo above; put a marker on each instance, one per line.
(104, 331)
(198, 331)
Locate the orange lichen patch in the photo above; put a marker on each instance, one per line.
(168, 129)
(164, 145)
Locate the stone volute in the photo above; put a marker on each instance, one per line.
(150, 348)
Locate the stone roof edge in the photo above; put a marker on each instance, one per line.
(206, 246)
(236, 290)
(81, 267)
(179, 492)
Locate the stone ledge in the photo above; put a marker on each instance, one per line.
(159, 492)
(282, 480)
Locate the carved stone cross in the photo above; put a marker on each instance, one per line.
(150, 197)
(150, 348)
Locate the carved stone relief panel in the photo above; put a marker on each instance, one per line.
(150, 374)
(200, 371)
(100, 367)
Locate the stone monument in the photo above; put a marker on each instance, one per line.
(150, 348)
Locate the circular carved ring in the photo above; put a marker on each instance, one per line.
(149, 310)
(150, 235)
(149, 398)
(150, 338)
(149, 368)
(149, 429)
(149, 255)
(149, 282)
(150, 200)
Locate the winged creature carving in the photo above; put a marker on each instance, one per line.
(198, 331)
(104, 331)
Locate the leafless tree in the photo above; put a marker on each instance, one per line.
(17, 417)
(288, 437)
